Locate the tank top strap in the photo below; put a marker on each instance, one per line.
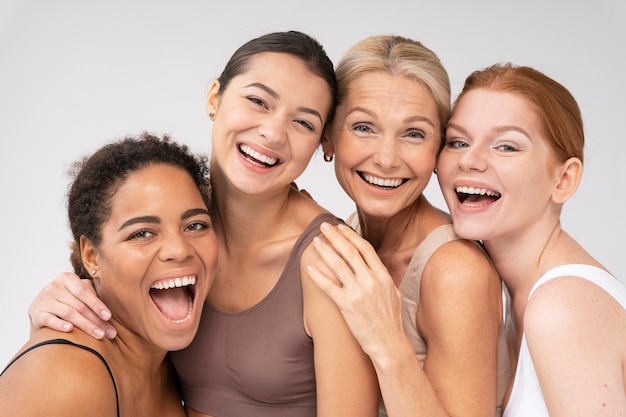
(598, 276)
(435, 239)
(411, 281)
(67, 342)
(312, 230)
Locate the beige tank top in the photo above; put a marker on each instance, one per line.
(410, 290)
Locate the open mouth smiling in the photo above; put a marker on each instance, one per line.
(473, 195)
(385, 183)
(257, 158)
(174, 297)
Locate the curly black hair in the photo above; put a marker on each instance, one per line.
(96, 179)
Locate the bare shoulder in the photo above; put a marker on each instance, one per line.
(57, 380)
(460, 281)
(573, 309)
(304, 208)
(569, 323)
(460, 266)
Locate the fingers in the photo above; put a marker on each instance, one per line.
(336, 263)
(69, 302)
(365, 249)
(326, 284)
(345, 247)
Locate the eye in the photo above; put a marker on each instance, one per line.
(197, 226)
(456, 144)
(141, 235)
(257, 101)
(362, 128)
(306, 124)
(416, 134)
(507, 148)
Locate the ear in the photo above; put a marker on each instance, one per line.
(327, 143)
(90, 256)
(212, 99)
(569, 176)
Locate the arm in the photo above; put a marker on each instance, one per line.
(459, 315)
(575, 334)
(69, 301)
(345, 379)
(459, 376)
(55, 380)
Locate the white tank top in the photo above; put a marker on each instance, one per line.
(526, 398)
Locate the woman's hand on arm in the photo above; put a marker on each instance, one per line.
(462, 321)
(345, 378)
(362, 288)
(357, 280)
(68, 301)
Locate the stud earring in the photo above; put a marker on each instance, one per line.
(93, 272)
(211, 115)
(435, 171)
(328, 158)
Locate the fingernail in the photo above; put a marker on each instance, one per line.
(111, 333)
(317, 240)
(105, 314)
(343, 227)
(67, 327)
(325, 226)
(98, 333)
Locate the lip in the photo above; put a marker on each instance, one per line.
(471, 195)
(260, 158)
(380, 182)
(188, 280)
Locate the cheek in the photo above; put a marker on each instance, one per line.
(445, 163)
(349, 151)
(422, 160)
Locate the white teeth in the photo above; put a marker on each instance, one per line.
(381, 182)
(172, 283)
(259, 157)
(477, 191)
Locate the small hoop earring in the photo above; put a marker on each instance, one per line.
(435, 171)
(328, 158)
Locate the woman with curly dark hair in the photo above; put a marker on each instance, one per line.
(138, 210)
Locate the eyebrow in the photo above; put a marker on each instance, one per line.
(497, 129)
(506, 128)
(156, 219)
(276, 96)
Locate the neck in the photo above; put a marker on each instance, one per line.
(522, 258)
(406, 229)
(241, 218)
(140, 356)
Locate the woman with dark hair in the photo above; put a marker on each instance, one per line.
(138, 210)
(270, 342)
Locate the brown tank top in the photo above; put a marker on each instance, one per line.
(257, 362)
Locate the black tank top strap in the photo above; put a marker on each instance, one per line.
(67, 342)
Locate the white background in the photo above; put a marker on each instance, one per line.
(76, 74)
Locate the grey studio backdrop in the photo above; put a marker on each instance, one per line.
(75, 74)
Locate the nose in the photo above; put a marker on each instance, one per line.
(386, 152)
(473, 158)
(175, 247)
(272, 129)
